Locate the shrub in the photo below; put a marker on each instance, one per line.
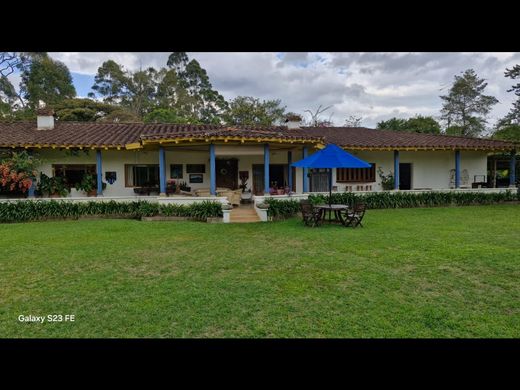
(22, 211)
(282, 208)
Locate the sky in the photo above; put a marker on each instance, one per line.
(374, 86)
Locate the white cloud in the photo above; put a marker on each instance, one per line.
(375, 86)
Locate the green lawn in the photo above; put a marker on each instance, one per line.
(439, 272)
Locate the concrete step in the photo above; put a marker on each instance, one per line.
(243, 215)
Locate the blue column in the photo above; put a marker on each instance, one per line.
(289, 173)
(512, 169)
(99, 168)
(212, 171)
(162, 170)
(30, 192)
(305, 178)
(396, 169)
(266, 169)
(457, 169)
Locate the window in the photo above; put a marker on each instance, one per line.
(142, 175)
(73, 173)
(356, 175)
(176, 171)
(195, 168)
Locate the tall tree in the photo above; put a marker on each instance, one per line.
(204, 102)
(513, 117)
(111, 82)
(247, 110)
(465, 106)
(47, 80)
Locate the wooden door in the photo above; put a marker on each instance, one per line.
(227, 173)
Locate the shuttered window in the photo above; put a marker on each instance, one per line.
(356, 175)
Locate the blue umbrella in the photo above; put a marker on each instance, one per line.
(332, 156)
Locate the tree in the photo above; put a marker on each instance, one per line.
(111, 82)
(121, 115)
(201, 100)
(83, 110)
(466, 106)
(416, 124)
(513, 117)
(508, 133)
(394, 124)
(247, 110)
(165, 115)
(317, 120)
(47, 80)
(353, 121)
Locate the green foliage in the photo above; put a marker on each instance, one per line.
(417, 124)
(88, 183)
(508, 133)
(47, 80)
(165, 115)
(282, 208)
(82, 110)
(247, 110)
(49, 186)
(23, 211)
(384, 200)
(466, 106)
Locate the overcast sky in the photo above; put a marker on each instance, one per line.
(374, 86)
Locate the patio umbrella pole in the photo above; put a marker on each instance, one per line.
(330, 188)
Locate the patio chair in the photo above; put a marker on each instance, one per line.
(311, 216)
(354, 216)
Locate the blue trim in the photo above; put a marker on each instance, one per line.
(99, 167)
(289, 173)
(162, 170)
(396, 169)
(457, 169)
(512, 169)
(212, 171)
(30, 192)
(305, 178)
(266, 169)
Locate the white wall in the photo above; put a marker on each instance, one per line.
(429, 169)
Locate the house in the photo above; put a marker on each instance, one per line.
(127, 156)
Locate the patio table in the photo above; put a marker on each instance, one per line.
(336, 208)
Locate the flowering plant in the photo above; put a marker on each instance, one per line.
(18, 172)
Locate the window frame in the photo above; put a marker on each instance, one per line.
(356, 175)
(129, 166)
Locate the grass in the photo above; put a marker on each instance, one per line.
(432, 272)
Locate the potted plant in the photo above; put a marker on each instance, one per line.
(88, 185)
(171, 186)
(387, 181)
(53, 187)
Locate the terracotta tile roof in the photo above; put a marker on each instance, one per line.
(121, 135)
(365, 138)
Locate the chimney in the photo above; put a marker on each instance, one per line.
(45, 118)
(293, 121)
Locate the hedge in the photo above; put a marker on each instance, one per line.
(385, 200)
(23, 211)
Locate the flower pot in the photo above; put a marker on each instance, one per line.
(92, 193)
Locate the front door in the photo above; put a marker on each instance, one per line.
(227, 173)
(405, 176)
